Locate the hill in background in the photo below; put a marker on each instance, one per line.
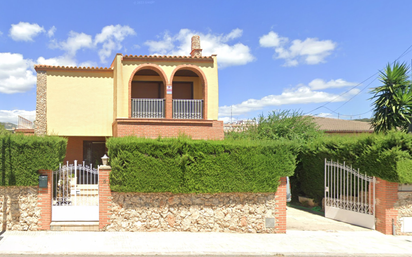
(8, 125)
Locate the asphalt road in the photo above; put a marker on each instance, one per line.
(307, 235)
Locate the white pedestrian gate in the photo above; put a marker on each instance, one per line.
(75, 193)
(349, 195)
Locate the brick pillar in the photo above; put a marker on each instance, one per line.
(386, 197)
(169, 105)
(44, 201)
(280, 216)
(105, 195)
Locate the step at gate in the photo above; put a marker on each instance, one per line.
(75, 193)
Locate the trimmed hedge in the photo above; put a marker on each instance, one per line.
(22, 156)
(187, 166)
(387, 156)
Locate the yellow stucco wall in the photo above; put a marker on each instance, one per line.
(85, 103)
(79, 103)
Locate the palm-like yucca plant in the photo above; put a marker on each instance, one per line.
(393, 100)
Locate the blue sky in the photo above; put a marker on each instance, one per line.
(317, 57)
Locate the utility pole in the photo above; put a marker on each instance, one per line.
(231, 112)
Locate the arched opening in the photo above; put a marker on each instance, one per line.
(147, 92)
(189, 91)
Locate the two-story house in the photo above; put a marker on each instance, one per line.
(144, 96)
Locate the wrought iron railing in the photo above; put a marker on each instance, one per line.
(187, 109)
(148, 108)
(24, 123)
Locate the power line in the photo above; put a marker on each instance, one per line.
(355, 95)
(408, 50)
(345, 92)
(346, 115)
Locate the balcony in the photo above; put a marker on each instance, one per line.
(155, 108)
(148, 108)
(187, 109)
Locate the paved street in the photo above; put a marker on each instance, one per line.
(302, 220)
(330, 240)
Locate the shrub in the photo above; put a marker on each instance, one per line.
(188, 166)
(287, 124)
(387, 156)
(22, 156)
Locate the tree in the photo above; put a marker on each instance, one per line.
(287, 124)
(393, 100)
(3, 130)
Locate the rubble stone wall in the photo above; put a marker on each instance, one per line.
(41, 104)
(18, 208)
(404, 207)
(223, 212)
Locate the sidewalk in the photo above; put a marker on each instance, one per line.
(293, 243)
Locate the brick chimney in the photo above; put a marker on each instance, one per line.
(196, 51)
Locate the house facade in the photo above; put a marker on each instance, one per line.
(144, 96)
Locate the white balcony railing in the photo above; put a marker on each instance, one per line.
(148, 108)
(187, 109)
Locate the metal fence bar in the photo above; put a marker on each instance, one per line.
(75, 185)
(148, 108)
(348, 189)
(187, 109)
(374, 192)
(326, 184)
(340, 186)
(347, 205)
(351, 191)
(334, 185)
(366, 195)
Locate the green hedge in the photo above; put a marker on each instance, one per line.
(189, 166)
(387, 156)
(22, 156)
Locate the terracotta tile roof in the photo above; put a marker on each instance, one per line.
(169, 57)
(51, 67)
(343, 126)
(143, 57)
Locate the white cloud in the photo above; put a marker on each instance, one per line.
(272, 40)
(75, 42)
(233, 34)
(325, 115)
(162, 46)
(310, 51)
(64, 60)
(228, 119)
(11, 115)
(1, 33)
(88, 64)
(50, 32)
(24, 31)
(318, 84)
(180, 44)
(301, 94)
(16, 73)
(111, 38)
